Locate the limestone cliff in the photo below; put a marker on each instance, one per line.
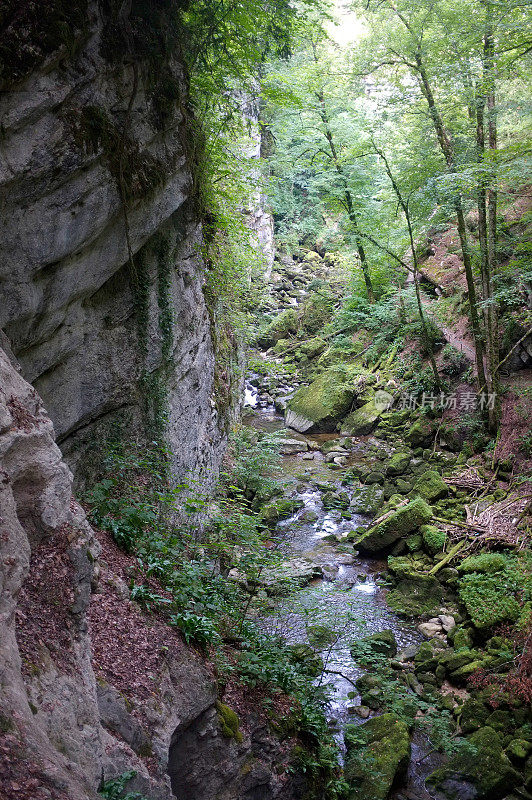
(101, 270)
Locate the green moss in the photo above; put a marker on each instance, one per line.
(398, 463)
(487, 600)
(431, 486)
(483, 763)
(326, 400)
(433, 539)
(485, 563)
(362, 420)
(321, 635)
(228, 721)
(378, 644)
(400, 523)
(378, 753)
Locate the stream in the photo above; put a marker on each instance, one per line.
(349, 598)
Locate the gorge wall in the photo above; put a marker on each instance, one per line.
(101, 267)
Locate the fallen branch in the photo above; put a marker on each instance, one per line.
(450, 555)
(341, 674)
(507, 356)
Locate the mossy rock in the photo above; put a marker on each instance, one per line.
(420, 433)
(413, 597)
(320, 406)
(402, 486)
(398, 463)
(367, 500)
(313, 347)
(371, 691)
(431, 486)
(363, 420)
(487, 600)
(484, 766)
(316, 313)
(414, 542)
(399, 524)
(321, 635)
(473, 715)
(281, 327)
(484, 563)
(304, 656)
(518, 751)
(433, 539)
(378, 644)
(377, 758)
(228, 721)
(280, 508)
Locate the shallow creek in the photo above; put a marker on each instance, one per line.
(350, 598)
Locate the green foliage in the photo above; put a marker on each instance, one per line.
(115, 789)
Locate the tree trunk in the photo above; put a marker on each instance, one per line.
(448, 153)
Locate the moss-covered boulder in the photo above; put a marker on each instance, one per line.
(321, 635)
(420, 594)
(313, 347)
(398, 463)
(377, 645)
(305, 658)
(483, 765)
(316, 312)
(484, 563)
(433, 539)
(431, 486)
(367, 500)
(487, 600)
(362, 420)
(280, 508)
(378, 753)
(320, 406)
(281, 327)
(397, 525)
(420, 433)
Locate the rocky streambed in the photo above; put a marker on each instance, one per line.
(341, 595)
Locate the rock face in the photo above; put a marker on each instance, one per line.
(104, 308)
(93, 687)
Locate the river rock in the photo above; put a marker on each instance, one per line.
(431, 486)
(363, 420)
(378, 753)
(398, 524)
(430, 629)
(486, 771)
(321, 405)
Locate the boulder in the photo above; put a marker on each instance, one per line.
(362, 420)
(433, 539)
(281, 327)
(484, 767)
(397, 525)
(398, 463)
(431, 486)
(378, 753)
(378, 644)
(320, 406)
(280, 508)
(420, 433)
(487, 600)
(321, 635)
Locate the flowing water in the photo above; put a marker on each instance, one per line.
(350, 598)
